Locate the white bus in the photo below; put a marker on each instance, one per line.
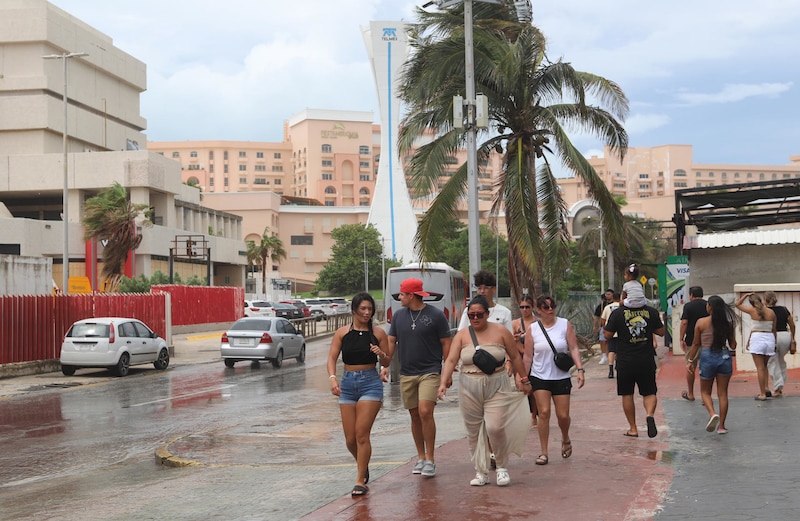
(447, 287)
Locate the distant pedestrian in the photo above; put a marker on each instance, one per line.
(612, 342)
(486, 284)
(636, 365)
(632, 291)
(492, 411)
(761, 343)
(421, 336)
(786, 342)
(714, 338)
(693, 310)
(551, 333)
(361, 389)
(520, 326)
(605, 299)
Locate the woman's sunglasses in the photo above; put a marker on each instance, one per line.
(545, 307)
(474, 316)
(524, 307)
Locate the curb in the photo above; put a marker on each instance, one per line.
(166, 458)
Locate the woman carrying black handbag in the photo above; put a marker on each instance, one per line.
(546, 340)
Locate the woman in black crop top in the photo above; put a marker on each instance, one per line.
(360, 391)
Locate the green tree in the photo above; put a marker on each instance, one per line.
(269, 247)
(533, 102)
(344, 273)
(110, 216)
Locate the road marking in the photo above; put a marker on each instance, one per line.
(179, 396)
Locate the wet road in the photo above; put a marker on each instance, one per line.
(266, 442)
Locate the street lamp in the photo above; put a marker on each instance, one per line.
(65, 215)
(366, 270)
(525, 15)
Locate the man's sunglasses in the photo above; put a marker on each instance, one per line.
(524, 307)
(545, 307)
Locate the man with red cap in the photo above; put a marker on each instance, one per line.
(421, 335)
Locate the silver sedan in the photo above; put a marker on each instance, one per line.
(268, 338)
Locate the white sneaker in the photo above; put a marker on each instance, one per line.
(428, 469)
(480, 480)
(418, 467)
(603, 360)
(503, 478)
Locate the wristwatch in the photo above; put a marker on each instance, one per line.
(581, 370)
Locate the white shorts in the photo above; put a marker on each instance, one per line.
(762, 343)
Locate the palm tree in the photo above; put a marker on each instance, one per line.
(110, 216)
(270, 247)
(532, 103)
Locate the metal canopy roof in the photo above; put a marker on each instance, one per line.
(736, 207)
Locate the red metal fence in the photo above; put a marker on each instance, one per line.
(33, 326)
(204, 304)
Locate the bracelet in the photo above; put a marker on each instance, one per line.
(581, 370)
(332, 377)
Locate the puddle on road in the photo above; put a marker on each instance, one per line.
(63, 385)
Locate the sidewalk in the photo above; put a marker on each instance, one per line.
(608, 477)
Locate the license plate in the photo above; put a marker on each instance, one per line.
(243, 342)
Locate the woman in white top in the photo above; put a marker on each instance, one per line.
(546, 378)
(762, 338)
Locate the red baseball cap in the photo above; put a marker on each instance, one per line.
(413, 286)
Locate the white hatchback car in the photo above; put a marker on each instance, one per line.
(114, 343)
(258, 308)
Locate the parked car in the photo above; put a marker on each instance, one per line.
(114, 343)
(262, 338)
(340, 305)
(289, 311)
(258, 308)
(299, 305)
(319, 307)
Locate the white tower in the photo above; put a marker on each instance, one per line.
(391, 212)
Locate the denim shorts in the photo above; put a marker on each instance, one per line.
(713, 363)
(360, 385)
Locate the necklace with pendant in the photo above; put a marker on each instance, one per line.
(414, 319)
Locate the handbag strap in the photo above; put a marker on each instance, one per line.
(548, 338)
(474, 338)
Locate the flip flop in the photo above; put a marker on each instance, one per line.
(628, 434)
(712, 423)
(652, 432)
(685, 396)
(761, 398)
(359, 490)
(541, 459)
(566, 449)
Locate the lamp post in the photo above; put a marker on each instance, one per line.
(65, 196)
(366, 270)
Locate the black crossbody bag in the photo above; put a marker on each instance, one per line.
(563, 360)
(482, 359)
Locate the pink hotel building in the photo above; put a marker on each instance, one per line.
(322, 175)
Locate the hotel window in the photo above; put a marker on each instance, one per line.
(749, 175)
(761, 177)
(276, 155)
(330, 203)
(210, 169)
(261, 168)
(211, 181)
(698, 174)
(364, 203)
(277, 181)
(242, 168)
(242, 180)
(680, 184)
(363, 191)
(364, 177)
(724, 175)
(211, 155)
(327, 163)
(225, 182)
(259, 181)
(277, 168)
(736, 175)
(774, 176)
(327, 177)
(711, 174)
(301, 240)
(176, 154)
(225, 155)
(242, 154)
(363, 164)
(224, 169)
(644, 176)
(193, 153)
(326, 149)
(644, 186)
(363, 150)
(259, 155)
(193, 167)
(330, 190)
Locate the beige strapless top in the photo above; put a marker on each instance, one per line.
(496, 350)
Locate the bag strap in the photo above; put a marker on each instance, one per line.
(548, 338)
(474, 338)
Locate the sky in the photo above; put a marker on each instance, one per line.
(721, 75)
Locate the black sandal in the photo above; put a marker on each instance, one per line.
(359, 490)
(566, 449)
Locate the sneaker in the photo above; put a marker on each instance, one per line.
(429, 469)
(611, 371)
(603, 360)
(492, 462)
(503, 478)
(418, 467)
(480, 480)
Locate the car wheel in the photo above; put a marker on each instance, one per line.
(301, 358)
(68, 370)
(123, 366)
(278, 360)
(163, 360)
(319, 316)
(229, 362)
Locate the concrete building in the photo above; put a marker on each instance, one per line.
(105, 133)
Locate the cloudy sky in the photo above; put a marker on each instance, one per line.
(721, 75)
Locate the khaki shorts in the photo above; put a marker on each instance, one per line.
(419, 387)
